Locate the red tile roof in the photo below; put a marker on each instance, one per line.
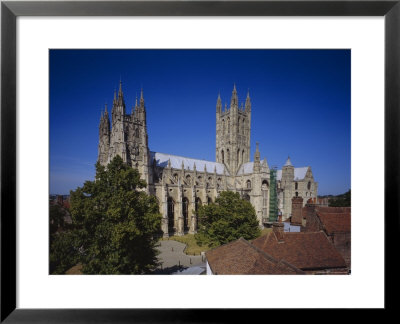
(240, 257)
(335, 222)
(304, 250)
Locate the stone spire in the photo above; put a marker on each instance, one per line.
(288, 162)
(141, 98)
(234, 98)
(115, 97)
(120, 94)
(105, 110)
(257, 154)
(121, 102)
(256, 165)
(219, 105)
(248, 102)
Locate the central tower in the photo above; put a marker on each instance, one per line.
(233, 133)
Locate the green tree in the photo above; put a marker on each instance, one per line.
(116, 224)
(343, 200)
(226, 220)
(57, 214)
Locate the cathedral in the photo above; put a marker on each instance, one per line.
(181, 184)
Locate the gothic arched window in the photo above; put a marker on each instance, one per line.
(222, 156)
(243, 127)
(223, 126)
(188, 179)
(170, 208)
(228, 157)
(297, 194)
(296, 186)
(229, 125)
(185, 213)
(248, 184)
(309, 185)
(243, 156)
(209, 200)
(176, 177)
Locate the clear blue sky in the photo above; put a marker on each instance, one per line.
(300, 106)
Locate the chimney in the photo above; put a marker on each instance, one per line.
(297, 205)
(277, 229)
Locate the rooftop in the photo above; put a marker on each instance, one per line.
(335, 222)
(241, 257)
(188, 163)
(299, 173)
(304, 250)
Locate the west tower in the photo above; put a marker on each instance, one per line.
(233, 132)
(128, 135)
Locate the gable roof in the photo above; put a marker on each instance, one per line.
(304, 250)
(335, 222)
(299, 173)
(241, 257)
(188, 163)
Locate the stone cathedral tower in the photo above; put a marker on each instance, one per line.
(128, 136)
(233, 133)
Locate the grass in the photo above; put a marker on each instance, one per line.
(192, 248)
(265, 231)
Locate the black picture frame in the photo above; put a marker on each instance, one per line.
(10, 10)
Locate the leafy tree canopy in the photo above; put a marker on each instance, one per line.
(343, 200)
(115, 223)
(226, 220)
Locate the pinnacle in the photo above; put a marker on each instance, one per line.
(288, 162)
(120, 89)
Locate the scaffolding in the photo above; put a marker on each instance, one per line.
(273, 198)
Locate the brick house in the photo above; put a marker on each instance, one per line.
(241, 257)
(312, 252)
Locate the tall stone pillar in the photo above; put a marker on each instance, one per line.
(178, 212)
(164, 206)
(193, 223)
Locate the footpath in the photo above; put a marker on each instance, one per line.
(173, 260)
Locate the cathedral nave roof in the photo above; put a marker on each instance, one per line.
(188, 163)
